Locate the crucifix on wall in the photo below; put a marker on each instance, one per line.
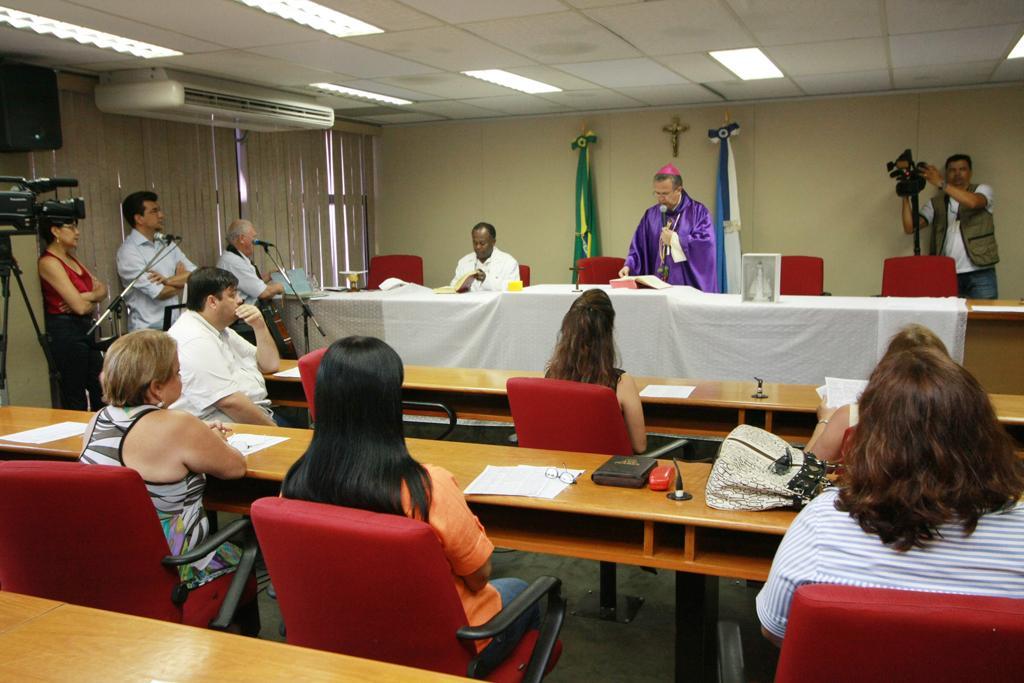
(674, 130)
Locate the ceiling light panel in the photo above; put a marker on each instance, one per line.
(511, 80)
(749, 64)
(82, 35)
(1018, 51)
(314, 16)
(355, 92)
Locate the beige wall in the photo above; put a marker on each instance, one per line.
(811, 175)
(28, 381)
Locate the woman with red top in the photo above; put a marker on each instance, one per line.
(70, 293)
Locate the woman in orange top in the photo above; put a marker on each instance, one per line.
(70, 294)
(358, 459)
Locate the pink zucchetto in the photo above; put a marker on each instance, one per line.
(669, 169)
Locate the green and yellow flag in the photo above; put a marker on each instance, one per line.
(586, 225)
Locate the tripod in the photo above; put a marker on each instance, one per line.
(7, 266)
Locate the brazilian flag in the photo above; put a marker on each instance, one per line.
(586, 226)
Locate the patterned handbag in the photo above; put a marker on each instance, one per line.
(756, 470)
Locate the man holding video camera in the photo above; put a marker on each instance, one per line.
(961, 217)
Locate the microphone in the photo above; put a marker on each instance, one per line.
(679, 493)
(667, 250)
(168, 238)
(263, 243)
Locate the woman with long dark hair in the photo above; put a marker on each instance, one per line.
(358, 459)
(70, 295)
(585, 352)
(929, 500)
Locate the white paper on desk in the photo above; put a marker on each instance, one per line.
(667, 391)
(54, 432)
(520, 480)
(248, 444)
(998, 309)
(842, 392)
(290, 372)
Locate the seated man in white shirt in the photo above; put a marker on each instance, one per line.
(162, 285)
(493, 267)
(237, 260)
(221, 373)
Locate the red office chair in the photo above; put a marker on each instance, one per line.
(802, 275)
(309, 366)
(524, 274)
(877, 634)
(919, 276)
(379, 586)
(88, 535)
(599, 270)
(560, 415)
(403, 266)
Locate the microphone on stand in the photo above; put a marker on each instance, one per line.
(262, 243)
(666, 222)
(168, 238)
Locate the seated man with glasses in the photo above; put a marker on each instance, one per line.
(675, 239)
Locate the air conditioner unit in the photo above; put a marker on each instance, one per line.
(177, 96)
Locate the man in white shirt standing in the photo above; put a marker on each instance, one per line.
(962, 226)
(162, 285)
(221, 373)
(238, 260)
(493, 267)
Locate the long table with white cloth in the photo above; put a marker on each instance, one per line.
(677, 332)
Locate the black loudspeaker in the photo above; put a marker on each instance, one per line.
(29, 108)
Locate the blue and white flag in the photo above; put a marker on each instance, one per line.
(727, 212)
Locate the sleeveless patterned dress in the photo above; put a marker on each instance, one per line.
(179, 505)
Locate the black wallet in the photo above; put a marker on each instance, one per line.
(624, 470)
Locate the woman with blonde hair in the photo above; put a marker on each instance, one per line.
(172, 450)
(585, 352)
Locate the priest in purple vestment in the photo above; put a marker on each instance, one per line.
(677, 232)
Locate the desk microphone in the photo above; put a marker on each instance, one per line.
(262, 243)
(679, 493)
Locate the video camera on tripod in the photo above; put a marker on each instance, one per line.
(20, 209)
(909, 183)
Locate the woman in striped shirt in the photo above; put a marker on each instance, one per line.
(930, 498)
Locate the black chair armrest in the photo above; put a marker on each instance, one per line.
(422, 405)
(550, 628)
(250, 550)
(730, 653)
(666, 449)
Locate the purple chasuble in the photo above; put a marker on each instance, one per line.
(696, 235)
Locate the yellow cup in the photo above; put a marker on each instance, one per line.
(515, 285)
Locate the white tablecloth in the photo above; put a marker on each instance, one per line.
(679, 332)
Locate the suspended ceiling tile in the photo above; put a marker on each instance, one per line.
(766, 88)
(245, 66)
(447, 86)
(952, 47)
(615, 73)
(913, 16)
(519, 105)
(670, 27)
(345, 104)
(403, 117)
(849, 82)
(464, 11)
(782, 22)
(861, 54)
(562, 37)
(697, 67)
(444, 47)
(585, 100)
(342, 57)
(687, 93)
(1009, 70)
(389, 15)
(453, 109)
(934, 76)
(590, 4)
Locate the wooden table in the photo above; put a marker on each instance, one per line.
(993, 344)
(56, 641)
(713, 409)
(631, 526)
